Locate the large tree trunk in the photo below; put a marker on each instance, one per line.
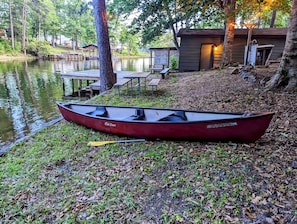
(229, 10)
(286, 74)
(11, 25)
(107, 77)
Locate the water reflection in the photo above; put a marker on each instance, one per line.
(128, 64)
(29, 90)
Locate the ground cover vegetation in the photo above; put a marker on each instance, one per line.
(54, 177)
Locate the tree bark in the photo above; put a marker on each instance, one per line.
(229, 11)
(175, 37)
(24, 23)
(286, 74)
(11, 25)
(273, 17)
(76, 40)
(107, 76)
(45, 35)
(38, 29)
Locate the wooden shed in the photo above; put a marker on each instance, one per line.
(90, 51)
(202, 49)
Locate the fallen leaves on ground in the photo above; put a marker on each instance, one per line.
(163, 181)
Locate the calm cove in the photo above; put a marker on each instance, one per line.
(29, 91)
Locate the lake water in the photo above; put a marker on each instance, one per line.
(29, 90)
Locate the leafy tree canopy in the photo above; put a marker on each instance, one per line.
(153, 18)
(148, 18)
(253, 9)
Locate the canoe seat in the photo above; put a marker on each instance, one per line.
(139, 115)
(176, 116)
(100, 111)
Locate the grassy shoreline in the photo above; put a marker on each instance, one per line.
(54, 177)
(18, 57)
(57, 50)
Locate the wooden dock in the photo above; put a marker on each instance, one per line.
(92, 78)
(69, 56)
(82, 75)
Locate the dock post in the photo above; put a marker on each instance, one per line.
(63, 85)
(79, 87)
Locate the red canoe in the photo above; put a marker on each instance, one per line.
(154, 123)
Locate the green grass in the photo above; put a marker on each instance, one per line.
(59, 49)
(54, 177)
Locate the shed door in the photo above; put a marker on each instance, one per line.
(206, 57)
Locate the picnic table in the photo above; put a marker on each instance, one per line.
(138, 76)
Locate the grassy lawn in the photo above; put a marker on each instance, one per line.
(60, 49)
(54, 177)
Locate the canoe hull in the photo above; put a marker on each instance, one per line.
(243, 129)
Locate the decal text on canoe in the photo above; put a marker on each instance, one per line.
(222, 125)
(109, 124)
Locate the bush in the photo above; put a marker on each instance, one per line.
(173, 62)
(38, 47)
(5, 46)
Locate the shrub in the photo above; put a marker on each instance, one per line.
(38, 47)
(5, 46)
(173, 62)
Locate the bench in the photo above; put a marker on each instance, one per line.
(94, 87)
(157, 68)
(121, 83)
(154, 84)
(164, 72)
